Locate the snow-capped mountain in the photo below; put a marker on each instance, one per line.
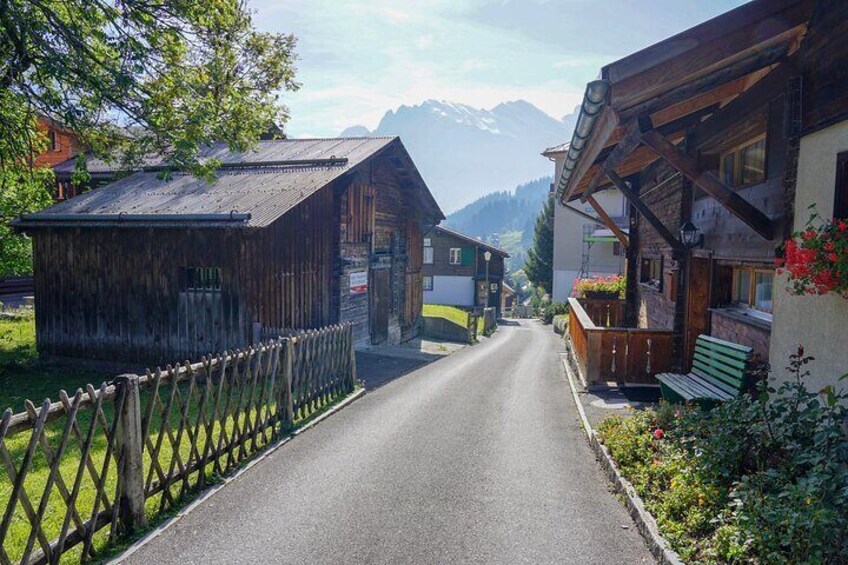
(464, 153)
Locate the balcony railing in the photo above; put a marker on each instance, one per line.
(606, 352)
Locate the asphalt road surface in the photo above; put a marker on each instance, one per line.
(475, 458)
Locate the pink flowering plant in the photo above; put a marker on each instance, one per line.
(816, 259)
(614, 283)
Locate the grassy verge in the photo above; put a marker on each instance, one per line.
(456, 315)
(23, 376)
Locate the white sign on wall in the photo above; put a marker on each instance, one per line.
(358, 282)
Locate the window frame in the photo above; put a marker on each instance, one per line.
(655, 284)
(458, 251)
(840, 189)
(751, 303)
(736, 153)
(424, 283)
(212, 278)
(427, 257)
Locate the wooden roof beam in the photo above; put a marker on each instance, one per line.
(608, 222)
(626, 145)
(643, 209)
(750, 101)
(715, 79)
(706, 181)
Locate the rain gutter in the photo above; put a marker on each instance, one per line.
(594, 101)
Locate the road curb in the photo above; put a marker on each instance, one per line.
(208, 493)
(645, 523)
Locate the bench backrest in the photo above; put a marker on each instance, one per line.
(723, 363)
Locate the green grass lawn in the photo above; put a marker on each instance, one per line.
(452, 313)
(24, 376)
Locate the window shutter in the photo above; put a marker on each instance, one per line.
(467, 256)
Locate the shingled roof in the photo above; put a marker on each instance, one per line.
(252, 189)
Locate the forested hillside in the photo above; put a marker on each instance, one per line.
(504, 218)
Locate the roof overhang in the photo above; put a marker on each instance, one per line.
(674, 85)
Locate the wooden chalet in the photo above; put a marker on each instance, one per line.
(701, 132)
(456, 271)
(295, 234)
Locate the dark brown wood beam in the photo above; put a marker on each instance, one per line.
(631, 140)
(643, 209)
(710, 184)
(752, 101)
(724, 75)
(608, 222)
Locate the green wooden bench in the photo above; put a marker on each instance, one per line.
(719, 372)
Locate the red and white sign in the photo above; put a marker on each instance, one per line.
(358, 282)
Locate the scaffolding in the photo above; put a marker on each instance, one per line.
(593, 234)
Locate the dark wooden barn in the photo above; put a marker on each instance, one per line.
(295, 234)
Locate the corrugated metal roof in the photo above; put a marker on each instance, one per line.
(266, 192)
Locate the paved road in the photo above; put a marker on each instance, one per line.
(476, 458)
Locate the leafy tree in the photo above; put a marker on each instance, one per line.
(539, 266)
(133, 79)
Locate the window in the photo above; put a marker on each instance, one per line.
(428, 255)
(428, 283)
(427, 242)
(745, 165)
(752, 288)
(650, 273)
(840, 201)
(201, 279)
(456, 256)
(54, 140)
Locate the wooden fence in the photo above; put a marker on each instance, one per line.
(96, 465)
(607, 353)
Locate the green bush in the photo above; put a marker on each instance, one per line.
(554, 309)
(760, 479)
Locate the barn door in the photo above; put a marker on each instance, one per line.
(380, 301)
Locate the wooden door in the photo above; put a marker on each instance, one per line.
(380, 290)
(697, 305)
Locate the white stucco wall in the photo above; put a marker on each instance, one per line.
(568, 243)
(451, 290)
(817, 322)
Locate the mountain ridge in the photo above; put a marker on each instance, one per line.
(464, 153)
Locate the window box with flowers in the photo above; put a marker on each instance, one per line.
(816, 259)
(601, 287)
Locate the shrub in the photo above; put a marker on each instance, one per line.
(553, 309)
(760, 479)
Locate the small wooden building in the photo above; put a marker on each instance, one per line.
(456, 271)
(295, 234)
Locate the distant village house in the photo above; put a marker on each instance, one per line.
(457, 272)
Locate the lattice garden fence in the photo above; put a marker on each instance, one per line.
(97, 465)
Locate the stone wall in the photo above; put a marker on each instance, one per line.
(655, 309)
(723, 326)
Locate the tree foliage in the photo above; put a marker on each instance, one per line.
(135, 78)
(540, 259)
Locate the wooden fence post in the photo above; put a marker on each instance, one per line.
(130, 461)
(352, 352)
(288, 369)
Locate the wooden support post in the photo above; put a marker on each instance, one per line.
(631, 307)
(646, 212)
(130, 460)
(622, 237)
(288, 369)
(725, 195)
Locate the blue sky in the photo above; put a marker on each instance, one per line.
(361, 58)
